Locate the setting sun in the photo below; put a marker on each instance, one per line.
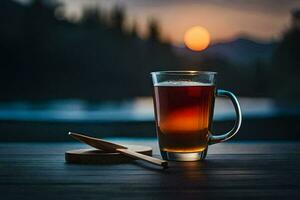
(197, 38)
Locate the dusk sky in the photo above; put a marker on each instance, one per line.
(224, 19)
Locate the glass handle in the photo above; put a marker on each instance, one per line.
(221, 138)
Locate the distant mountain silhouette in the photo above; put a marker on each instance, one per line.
(239, 51)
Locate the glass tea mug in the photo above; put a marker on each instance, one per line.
(184, 106)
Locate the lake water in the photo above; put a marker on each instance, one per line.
(139, 109)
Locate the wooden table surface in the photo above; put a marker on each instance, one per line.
(235, 170)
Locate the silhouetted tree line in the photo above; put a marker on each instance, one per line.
(95, 59)
(285, 68)
(43, 57)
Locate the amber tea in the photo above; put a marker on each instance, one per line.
(183, 115)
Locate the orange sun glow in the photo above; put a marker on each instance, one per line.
(196, 38)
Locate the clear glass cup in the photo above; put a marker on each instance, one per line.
(184, 107)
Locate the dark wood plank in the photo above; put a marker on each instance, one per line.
(265, 170)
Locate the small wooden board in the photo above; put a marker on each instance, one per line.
(95, 156)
